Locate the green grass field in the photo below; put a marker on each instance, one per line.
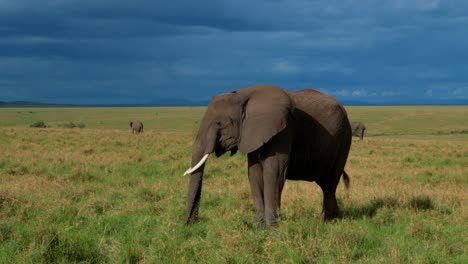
(100, 194)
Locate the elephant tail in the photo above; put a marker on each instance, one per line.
(346, 179)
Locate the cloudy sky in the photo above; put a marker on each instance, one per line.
(108, 51)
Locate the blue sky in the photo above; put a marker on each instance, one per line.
(135, 52)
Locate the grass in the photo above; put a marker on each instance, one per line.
(412, 121)
(153, 118)
(100, 194)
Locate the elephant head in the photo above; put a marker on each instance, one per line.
(137, 127)
(242, 120)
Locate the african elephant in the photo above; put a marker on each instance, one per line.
(301, 135)
(137, 127)
(357, 129)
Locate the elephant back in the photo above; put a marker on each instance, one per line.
(324, 109)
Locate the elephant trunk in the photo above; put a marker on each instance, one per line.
(194, 195)
(204, 145)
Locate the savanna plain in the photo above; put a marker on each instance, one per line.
(99, 194)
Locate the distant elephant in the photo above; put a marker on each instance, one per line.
(137, 127)
(358, 128)
(301, 135)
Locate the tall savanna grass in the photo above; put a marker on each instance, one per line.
(100, 194)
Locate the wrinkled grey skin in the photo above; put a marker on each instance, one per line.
(137, 127)
(357, 129)
(301, 135)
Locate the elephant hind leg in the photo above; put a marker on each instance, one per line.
(330, 206)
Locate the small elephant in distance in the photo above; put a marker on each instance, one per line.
(137, 127)
(358, 128)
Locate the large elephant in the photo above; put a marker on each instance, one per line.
(301, 135)
(357, 129)
(137, 127)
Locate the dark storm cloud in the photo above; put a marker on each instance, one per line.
(137, 51)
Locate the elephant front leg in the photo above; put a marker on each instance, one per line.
(274, 176)
(256, 186)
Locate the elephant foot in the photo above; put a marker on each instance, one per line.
(192, 219)
(261, 225)
(328, 216)
(273, 223)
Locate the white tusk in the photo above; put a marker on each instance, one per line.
(198, 165)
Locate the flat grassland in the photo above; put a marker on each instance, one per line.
(100, 194)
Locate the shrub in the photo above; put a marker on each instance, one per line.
(72, 125)
(38, 124)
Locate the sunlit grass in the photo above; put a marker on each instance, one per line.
(100, 194)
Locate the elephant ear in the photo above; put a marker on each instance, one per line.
(265, 114)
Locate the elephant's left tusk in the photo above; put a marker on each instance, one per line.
(199, 164)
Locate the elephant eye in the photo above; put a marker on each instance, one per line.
(218, 123)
